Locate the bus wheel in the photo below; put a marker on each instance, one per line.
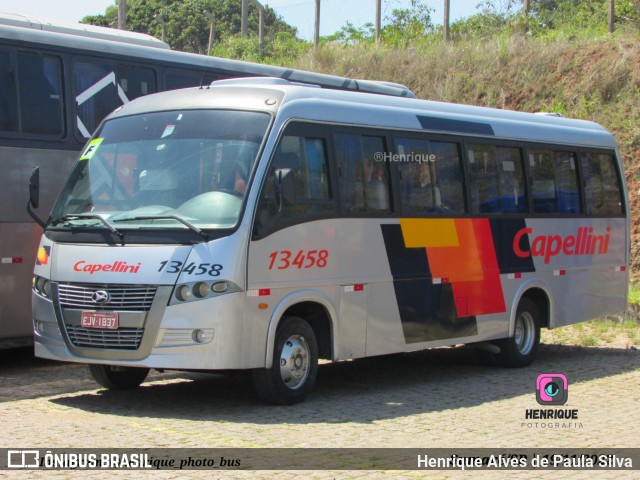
(295, 364)
(118, 378)
(521, 349)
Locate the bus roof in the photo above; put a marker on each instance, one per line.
(304, 102)
(116, 42)
(81, 30)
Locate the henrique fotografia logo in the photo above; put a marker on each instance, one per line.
(552, 389)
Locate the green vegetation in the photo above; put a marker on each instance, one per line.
(634, 294)
(282, 48)
(187, 26)
(597, 333)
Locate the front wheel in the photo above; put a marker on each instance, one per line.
(118, 378)
(295, 364)
(521, 349)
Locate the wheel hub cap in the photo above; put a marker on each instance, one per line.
(294, 362)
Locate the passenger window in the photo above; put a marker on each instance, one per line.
(96, 94)
(603, 193)
(364, 183)
(8, 94)
(495, 179)
(40, 94)
(429, 176)
(175, 79)
(306, 194)
(136, 82)
(38, 98)
(554, 182)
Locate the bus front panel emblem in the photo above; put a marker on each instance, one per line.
(101, 297)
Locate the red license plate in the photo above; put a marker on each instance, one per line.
(101, 320)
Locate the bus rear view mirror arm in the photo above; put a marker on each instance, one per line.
(34, 196)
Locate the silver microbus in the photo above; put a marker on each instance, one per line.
(261, 225)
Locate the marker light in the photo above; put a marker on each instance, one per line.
(220, 287)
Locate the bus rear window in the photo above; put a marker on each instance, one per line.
(603, 192)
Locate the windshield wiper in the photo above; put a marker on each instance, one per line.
(103, 220)
(171, 216)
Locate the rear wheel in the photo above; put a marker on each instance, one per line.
(520, 350)
(295, 364)
(118, 378)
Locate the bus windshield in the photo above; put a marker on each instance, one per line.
(172, 169)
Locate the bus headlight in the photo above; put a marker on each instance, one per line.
(42, 286)
(188, 292)
(184, 293)
(201, 289)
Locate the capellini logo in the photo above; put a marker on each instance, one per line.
(552, 389)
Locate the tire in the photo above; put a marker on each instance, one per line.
(520, 350)
(118, 378)
(295, 364)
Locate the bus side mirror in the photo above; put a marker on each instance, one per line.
(34, 187)
(34, 196)
(285, 187)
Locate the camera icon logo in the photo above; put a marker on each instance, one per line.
(552, 389)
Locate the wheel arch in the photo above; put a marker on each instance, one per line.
(314, 307)
(539, 293)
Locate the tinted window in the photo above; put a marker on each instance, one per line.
(495, 179)
(136, 82)
(554, 181)
(603, 192)
(40, 94)
(364, 184)
(305, 193)
(430, 176)
(175, 79)
(8, 94)
(96, 95)
(31, 94)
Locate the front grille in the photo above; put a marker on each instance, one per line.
(123, 338)
(121, 297)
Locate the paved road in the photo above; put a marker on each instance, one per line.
(437, 398)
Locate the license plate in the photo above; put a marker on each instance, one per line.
(100, 320)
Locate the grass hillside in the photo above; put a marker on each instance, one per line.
(590, 79)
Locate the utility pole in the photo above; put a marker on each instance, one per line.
(122, 14)
(212, 29)
(612, 16)
(316, 31)
(260, 23)
(378, 21)
(527, 10)
(445, 29)
(244, 18)
(160, 19)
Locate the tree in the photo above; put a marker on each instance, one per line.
(187, 27)
(406, 25)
